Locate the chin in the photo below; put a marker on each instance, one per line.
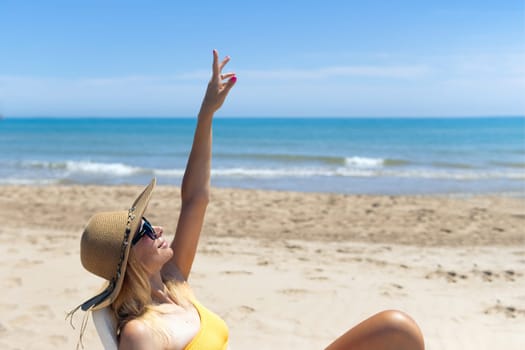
(167, 253)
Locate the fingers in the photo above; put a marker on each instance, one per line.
(217, 67)
(229, 85)
(227, 75)
(224, 61)
(221, 82)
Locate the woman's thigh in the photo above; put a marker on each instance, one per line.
(387, 330)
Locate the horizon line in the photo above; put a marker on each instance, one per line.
(3, 117)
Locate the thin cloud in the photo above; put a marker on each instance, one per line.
(446, 85)
(394, 72)
(368, 71)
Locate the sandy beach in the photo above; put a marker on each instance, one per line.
(285, 270)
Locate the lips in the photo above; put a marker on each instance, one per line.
(162, 244)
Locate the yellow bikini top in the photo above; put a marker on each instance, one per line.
(213, 334)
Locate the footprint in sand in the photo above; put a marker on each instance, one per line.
(485, 275)
(393, 290)
(293, 246)
(3, 328)
(13, 282)
(449, 276)
(318, 278)
(57, 340)
(316, 275)
(511, 275)
(70, 291)
(238, 272)
(508, 311)
(293, 291)
(28, 263)
(13, 250)
(376, 262)
(240, 313)
(490, 276)
(345, 250)
(21, 320)
(43, 311)
(211, 251)
(246, 309)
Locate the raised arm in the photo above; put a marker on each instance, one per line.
(195, 191)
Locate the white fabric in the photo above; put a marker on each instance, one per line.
(106, 326)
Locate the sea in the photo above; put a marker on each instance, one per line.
(388, 156)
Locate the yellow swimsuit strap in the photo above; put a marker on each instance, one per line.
(213, 334)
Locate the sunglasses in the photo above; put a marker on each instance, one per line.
(147, 230)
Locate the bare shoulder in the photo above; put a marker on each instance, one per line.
(136, 336)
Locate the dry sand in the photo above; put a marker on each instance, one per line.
(285, 270)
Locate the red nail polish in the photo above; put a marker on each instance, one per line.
(233, 79)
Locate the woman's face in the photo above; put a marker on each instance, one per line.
(153, 254)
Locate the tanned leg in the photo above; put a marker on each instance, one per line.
(387, 330)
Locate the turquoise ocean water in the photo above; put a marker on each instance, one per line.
(363, 156)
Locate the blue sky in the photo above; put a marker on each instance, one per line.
(292, 58)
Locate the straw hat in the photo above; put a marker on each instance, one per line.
(105, 247)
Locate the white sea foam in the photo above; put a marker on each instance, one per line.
(354, 167)
(364, 172)
(20, 181)
(88, 167)
(363, 162)
(271, 173)
(169, 172)
(118, 169)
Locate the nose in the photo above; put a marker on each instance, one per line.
(158, 230)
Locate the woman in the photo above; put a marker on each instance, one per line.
(147, 277)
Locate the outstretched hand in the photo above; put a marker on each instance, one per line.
(219, 85)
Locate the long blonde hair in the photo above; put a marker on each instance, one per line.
(134, 299)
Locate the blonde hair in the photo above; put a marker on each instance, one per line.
(134, 300)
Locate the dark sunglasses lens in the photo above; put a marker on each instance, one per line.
(147, 229)
(137, 237)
